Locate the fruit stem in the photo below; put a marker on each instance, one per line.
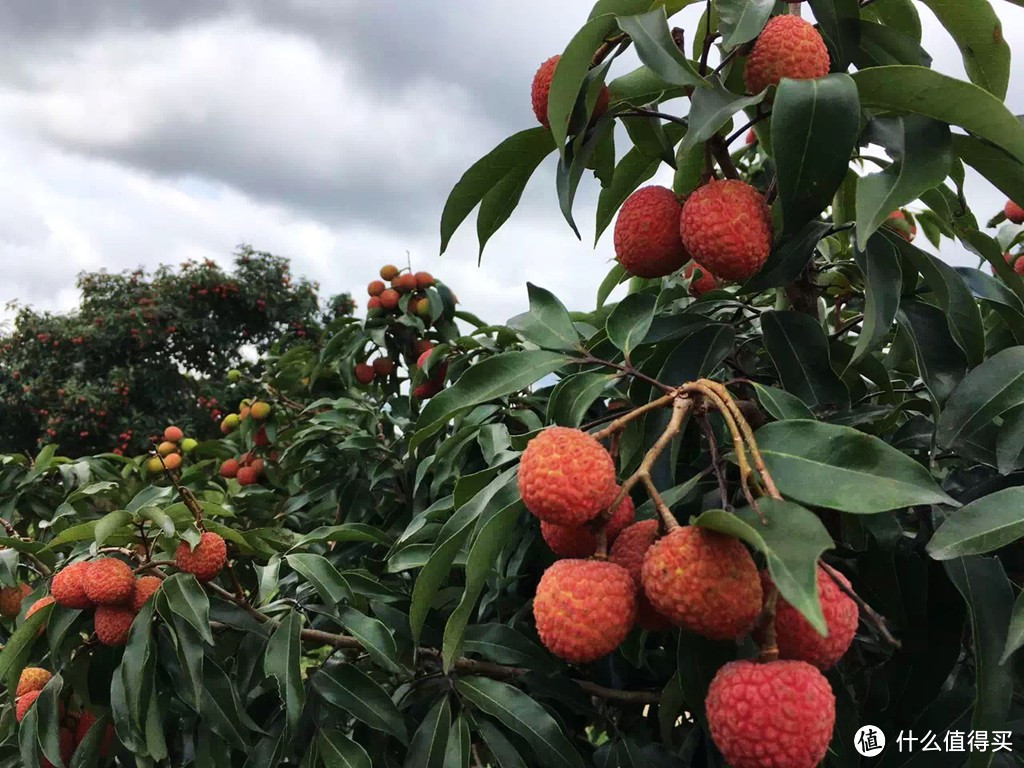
(721, 152)
(769, 647)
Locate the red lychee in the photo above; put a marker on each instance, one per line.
(542, 87)
(579, 540)
(373, 303)
(68, 587)
(229, 468)
(375, 288)
(67, 748)
(1014, 212)
(145, 588)
(173, 434)
(113, 623)
(768, 715)
(86, 720)
(389, 272)
(389, 298)
(38, 605)
(628, 551)
(703, 581)
(566, 477)
(1015, 261)
(584, 608)
(32, 679)
(647, 242)
(789, 46)
(704, 281)
(405, 283)
(424, 280)
(206, 560)
(109, 582)
(727, 227)
(898, 222)
(248, 476)
(24, 703)
(383, 366)
(364, 373)
(10, 600)
(173, 462)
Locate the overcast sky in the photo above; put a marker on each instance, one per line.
(327, 131)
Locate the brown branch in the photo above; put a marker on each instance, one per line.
(716, 461)
(721, 153)
(769, 646)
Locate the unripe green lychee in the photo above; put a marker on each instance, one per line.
(629, 551)
(230, 423)
(234, 375)
(189, 444)
(566, 477)
(727, 227)
(647, 241)
(584, 608)
(206, 560)
(580, 540)
(704, 281)
(68, 586)
(542, 87)
(154, 466)
(113, 623)
(109, 582)
(773, 715)
(788, 46)
(1014, 212)
(703, 581)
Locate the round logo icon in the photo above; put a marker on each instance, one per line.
(869, 740)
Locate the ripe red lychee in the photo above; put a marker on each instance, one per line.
(173, 434)
(68, 587)
(145, 588)
(789, 46)
(405, 283)
(798, 640)
(383, 366)
(424, 280)
(898, 222)
(426, 390)
(727, 227)
(260, 438)
(423, 345)
(206, 560)
(173, 461)
(775, 714)
(247, 476)
(579, 540)
(229, 468)
(364, 373)
(704, 281)
(38, 605)
(542, 87)
(389, 272)
(373, 303)
(647, 242)
(86, 720)
(584, 608)
(375, 288)
(566, 477)
(1015, 261)
(166, 448)
(113, 623)
(10, 600)
(629, 550)
(439, 371)
(32, 679)
(24, 703)
(751, 137)
(389, 299)
(1014, 212)
(109, 582)
(703, 581)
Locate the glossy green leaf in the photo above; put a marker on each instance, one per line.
(281, 662)
(185, 598)
(740, 21)
(1003, 171)
(711, 109)
(318, 571)
(992, 388)
(616, 275)
(883, 279)
(799, 349)
(839, 23)
(573, 396)
(1010, 441)
(427, 747)
(458, 751)
(352, 691)
(339, 751)
(788, 258)
(900, 15)
(503, 750)
(1015, 634)
(698, 355)
(781, 404)
(571, 73)
(654, 45)
(630, 321)
(111, 523)
(980, 527)
(882, 46)
(940, 361)
(978, 33)
(375, 637)
(547, 324)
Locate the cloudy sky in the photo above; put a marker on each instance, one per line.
(328, 131)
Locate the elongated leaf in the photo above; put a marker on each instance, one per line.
(573, 396)
(781, 404)
(799, 349)
(1010, 442)
(616, 275)
(826, 465)
(375, 637)
(940, 360)
(281, 662)
(788, 258)
(571, 73)
(1005, 172)
(698, 355)
(504, 645)
(992, 388)
(882, 46)
(630, 321)
(740, 21)
(547, 324)
(901, 15)
(978, 33)
(185, 598)
(110, 523)
(427, 747)
(343, 533)
(339, 751)
(883, 279)
(1015, 634)
(981, 527)
(839, 22)
(504, 751)
(318, 571)
(656, 49)
(711, 108)
(18, 647)
(351, 690)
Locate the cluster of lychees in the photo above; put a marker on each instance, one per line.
(171, 450)
(383, 298)
(259, 411)
(705, 582)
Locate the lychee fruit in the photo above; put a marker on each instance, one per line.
(247, 476)
(566, 477)
(86, 720)
(113, 623)
(1014, 212)
(775, 714)
(154, 466)
(230, 423)
(364, 373)
(389, 272)
(579, 540)
(229, 468)
(789, 46)
(389, 299)
(424, 280)
(798, 640)
(383, 366)
(67, 748)
(24, 704)
(206, 560)
(189, 444)
(1015, 261)
(257, 466)
(166, 448)
(751, 137)
(173, 462)
(629, 550)
(10, 600)
(898, 222)
(703, 282)
(373, 303)
(423, 345)
(426, 390)
(68, 587)
(173, 434)
(38, 605)
(145, 588)
(32, 679)
(260, 410)
(404, 283)
(647, 242)
(110, 582)
(375, 288)
(727, 227)
(584, 608)
(703, 581)
(542, 87)
(260, 438)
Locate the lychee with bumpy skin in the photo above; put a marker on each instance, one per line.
(770, 715)
(1015, 261)
(727, 227)
(898, 222)
(424, 280)
(24, 703)
(109, 582)
(584, 608)
(373, 303)
(703, 282)
(389, 272)
(113, 623)
(154, 466)
(788, 46)
(229, 468)
(10, 600)
(703, 581)
(404, 283)
(542, 87)
(145, 588)
(628, 551)
(247, 476)
(166, 448)
(173, 434)
(798, 640)
(580, 540)
(1014, 212)
(68, 587)
(32, 679)
(364, 373)
(375, 288)
(647, 242)
(435, 383)
(566, 477)
(206, 560)
(390, 298)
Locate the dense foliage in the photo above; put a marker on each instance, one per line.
(854, 404)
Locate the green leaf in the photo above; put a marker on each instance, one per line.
(900, 15)
(1015, 634)
(498, 204)
(18, 647)
(136, 672)
(572, 397)
(1010, 441)
(616, 275)
(992, 388)
(740, 21)
(699, 354)
(882, 46)
(515, 153)
(576, 159)
(347, 688)
(110, 524)
(281, 662)
(503, 750)
(922, 153)
(339, 751)
(630, 321)
(657, 50)
(826, 465)
(48, 717)
(346, 532)
(375, 637)
(982, 526)
(458, 751)
(922, 91)
(159, 518)
(318, 571)
(799, 349)
(185, 598)
(711, 109)
(788, 258)
(815, 125)
(698, 660)
(504, 645)
(781, 404)
(792, 541)
(427, 747)
(87, 754)
(221, 710)
(490, 379)
(978, 33)
(521, 714)
(547, 324)
(1002, 170)
(883, 281)
(839, 23)
(940, 361)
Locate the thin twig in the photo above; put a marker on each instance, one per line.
(721, 153)
(716, 461)
(869, 614)
(641, 112)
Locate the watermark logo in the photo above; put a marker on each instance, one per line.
(869, 740)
